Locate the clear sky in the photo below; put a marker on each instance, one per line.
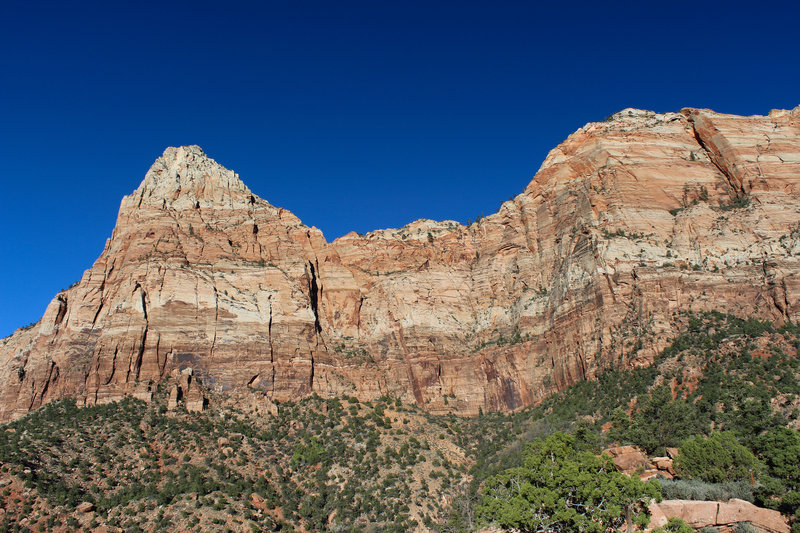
(354, 116)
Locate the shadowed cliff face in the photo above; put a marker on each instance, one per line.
(626, 222)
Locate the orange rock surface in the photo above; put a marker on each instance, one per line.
(626, 222)
(629, 459)
(723, 515)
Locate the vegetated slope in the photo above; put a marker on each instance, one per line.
(345, 465)
(336, 465)
(722, 373)
(626, 221)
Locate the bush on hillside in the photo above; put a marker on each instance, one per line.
(694, 489)
(561, 488)
(659, 422)
(675, 525)
(716, 459)
(779, 449)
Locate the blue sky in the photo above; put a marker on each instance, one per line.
(355, 116)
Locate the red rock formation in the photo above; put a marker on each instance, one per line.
(722, 515)
(625, 223)
(629, 459)
(665, 465)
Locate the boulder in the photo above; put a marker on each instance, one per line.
(657, 517)
(85, 507)
(647, 475)
(629, 459)
(271, 407)
(766, 520)
(696, 514)
(258, 502)
(672, 452)
(720, 515)
(664, 464)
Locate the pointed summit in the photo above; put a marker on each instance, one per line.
(184, 177)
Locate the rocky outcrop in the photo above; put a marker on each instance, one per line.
(85, 507)
(665, 465)
(633, 461)
(629, 459)
(187, 391)
(721, 515)
(626, 222)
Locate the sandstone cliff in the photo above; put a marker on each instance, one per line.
(626, 222)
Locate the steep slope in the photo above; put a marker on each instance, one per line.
(626, 221)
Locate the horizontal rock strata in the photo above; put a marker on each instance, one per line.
(627, 222)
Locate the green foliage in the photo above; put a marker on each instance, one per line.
(621, 233)
(732, 394)
(717, 458)
(661, 421)
(694, 489)
(779, 449)
(309, 453)
(744, 527)
(675, 525)
(731, 390)
(739, 202)
(357, 459)
(514, 338)
(315, 457)
(560, 488)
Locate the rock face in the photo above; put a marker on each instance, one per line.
(626, 222)
(721, 515)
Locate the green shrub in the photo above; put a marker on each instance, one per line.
(716, 459)
(560, 488)
(694, 489)
(744, 527)
(661, 421)
(675, 525)
(779, 449)
(737, 203)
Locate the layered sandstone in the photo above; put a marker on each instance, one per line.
(626, 222)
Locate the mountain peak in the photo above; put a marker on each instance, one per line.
(188, 153)
(627, 223)
(185, 177)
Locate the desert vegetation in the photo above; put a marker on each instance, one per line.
(724, 393)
